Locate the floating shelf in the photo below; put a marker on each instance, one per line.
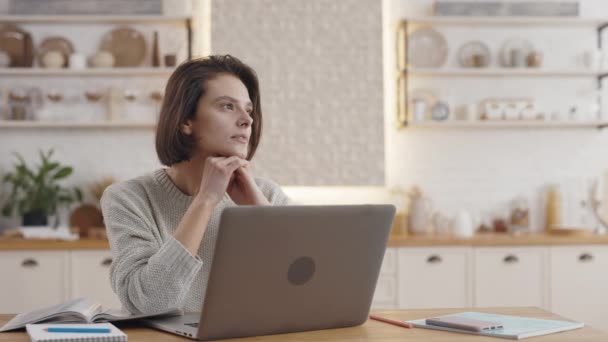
(140, 71)
(506, 20)
(510, 124)
(67, 124)
(503, 72)
(62, 19)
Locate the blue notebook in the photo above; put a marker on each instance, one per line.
(515, 327)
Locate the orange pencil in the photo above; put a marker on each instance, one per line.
(390, 321)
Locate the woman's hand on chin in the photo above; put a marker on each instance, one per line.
(243, 190)
(216, 179)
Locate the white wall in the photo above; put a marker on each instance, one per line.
(482, 169)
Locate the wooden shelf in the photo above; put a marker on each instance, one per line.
(62, 19)
(506, 20)
(503, 72)
(139, 71)
(509, 124)
(67, 124)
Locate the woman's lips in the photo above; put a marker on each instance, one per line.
(241, 140)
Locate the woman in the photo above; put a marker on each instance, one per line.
(163, 226)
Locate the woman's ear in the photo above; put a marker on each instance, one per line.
(186, 127)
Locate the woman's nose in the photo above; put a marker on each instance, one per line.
(245, 120)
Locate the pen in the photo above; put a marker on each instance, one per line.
(393, 322)
(78, 330)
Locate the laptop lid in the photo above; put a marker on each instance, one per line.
(280, 269)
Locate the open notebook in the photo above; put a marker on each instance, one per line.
(80, 310)
(38, 333)
(515, 327)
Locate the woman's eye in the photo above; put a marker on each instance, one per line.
(228, 106)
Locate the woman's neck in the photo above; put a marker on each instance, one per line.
(187, 175)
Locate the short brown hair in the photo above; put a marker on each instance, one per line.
(185, 87)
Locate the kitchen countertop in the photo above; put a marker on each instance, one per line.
(496, 239)
(487, 239)
(15, 244)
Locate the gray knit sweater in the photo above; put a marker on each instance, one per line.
(151, 270)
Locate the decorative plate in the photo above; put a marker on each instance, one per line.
(427, 48)
(474, 54)
(12, 41)
(514, 44)
(127, 45)
(59, 44)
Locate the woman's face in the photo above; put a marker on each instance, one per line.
(222, 126)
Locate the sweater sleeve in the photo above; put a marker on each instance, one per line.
(147, 274)
(273, 192)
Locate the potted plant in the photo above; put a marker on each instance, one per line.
(37, 194)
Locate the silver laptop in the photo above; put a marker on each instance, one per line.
(281, 269)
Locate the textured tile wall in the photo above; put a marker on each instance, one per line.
(320, 69)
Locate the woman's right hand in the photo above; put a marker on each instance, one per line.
(217, 173)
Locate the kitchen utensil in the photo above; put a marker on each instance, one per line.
(13, 41)
(462, 225)
(77, 61)
(421, 101)
(93, 96)
(170, 60)
(103, 59)
(126, 44)
(54, 96)
(440, 111)
(155, 52)
(53, 60)
(427, 48)
(156, 96)
(534, 59)
(514, 51)
(592, 59)
(420, 110)
(474, 54)
(59, 44)
(441, 224)
(420, 212)
(130, 96)
(472, 112)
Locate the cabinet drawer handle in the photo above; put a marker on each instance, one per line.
(106, 262)
(434, 259)
(29, 263)
(585, 257)
(510, 259)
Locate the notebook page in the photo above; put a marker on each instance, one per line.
(38, 333)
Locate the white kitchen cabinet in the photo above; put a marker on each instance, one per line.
(510, 276)
(434, 277)
(579, 283)
(32, 279)
(385, 296)
(91, 277)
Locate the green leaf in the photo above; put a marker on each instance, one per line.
(7, 210)
(63, 172)
(65, 199)
(78, 194)
(8, 178)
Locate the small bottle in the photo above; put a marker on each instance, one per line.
(155, 52)
(552, 209)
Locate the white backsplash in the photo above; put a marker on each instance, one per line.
(481, 170)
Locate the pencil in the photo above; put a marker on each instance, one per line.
(390, 321)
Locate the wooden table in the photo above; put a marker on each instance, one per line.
(370, 331)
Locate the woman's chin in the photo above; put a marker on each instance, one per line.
(234, 152)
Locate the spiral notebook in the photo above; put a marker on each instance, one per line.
(38, 333)
(514, 327)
